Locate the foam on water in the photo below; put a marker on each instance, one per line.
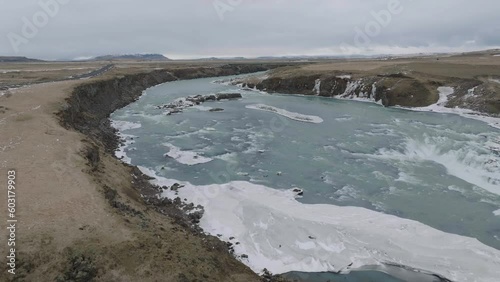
(285, 113)
(328, 237)
(126, 139)
(497, 212)
(405, 177)
(121, 125)
(281, 234)
(185, 157)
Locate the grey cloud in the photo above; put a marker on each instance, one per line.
(251, 28)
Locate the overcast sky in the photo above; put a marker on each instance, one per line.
(204, 28)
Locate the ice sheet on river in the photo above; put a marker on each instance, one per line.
(278, 233)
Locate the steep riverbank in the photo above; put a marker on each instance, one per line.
(85, 215)
(401, 87)
(87, 111)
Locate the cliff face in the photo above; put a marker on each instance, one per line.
(88, 108)
(388, 90)
(481, 94)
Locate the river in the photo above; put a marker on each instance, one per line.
(379, 184)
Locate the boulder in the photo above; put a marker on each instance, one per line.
(298, 191)
(222, 96)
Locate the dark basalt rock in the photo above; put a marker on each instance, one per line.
(223, 96)
(216, 110)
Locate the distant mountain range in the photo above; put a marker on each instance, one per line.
(14, 59)
(160, 57)
(140, 57)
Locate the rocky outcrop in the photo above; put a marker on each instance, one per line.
(179, 104)
(482, 95)
(88, 108)
(216, 110)
(387, 90)
(406, 89)
(87, 111)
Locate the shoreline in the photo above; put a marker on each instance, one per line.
(87, 110)
(236, 185)
(438, 107)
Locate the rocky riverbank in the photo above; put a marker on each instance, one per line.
(406, 89)
(87, 111)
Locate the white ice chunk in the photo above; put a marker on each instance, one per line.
(278, 233)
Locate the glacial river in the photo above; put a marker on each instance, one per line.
(380, 185)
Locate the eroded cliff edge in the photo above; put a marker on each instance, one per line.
(169, 245)
(401, 86)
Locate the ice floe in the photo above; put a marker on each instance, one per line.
(328, 237)
(285, 113)
(185, 157)
(470, 93)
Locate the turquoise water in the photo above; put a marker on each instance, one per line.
(438, 169)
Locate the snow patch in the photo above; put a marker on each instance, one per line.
(476, 168)
(439, 107)
(497, 212)
(344, 76)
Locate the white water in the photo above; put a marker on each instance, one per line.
(121, 125)
(482, 170)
